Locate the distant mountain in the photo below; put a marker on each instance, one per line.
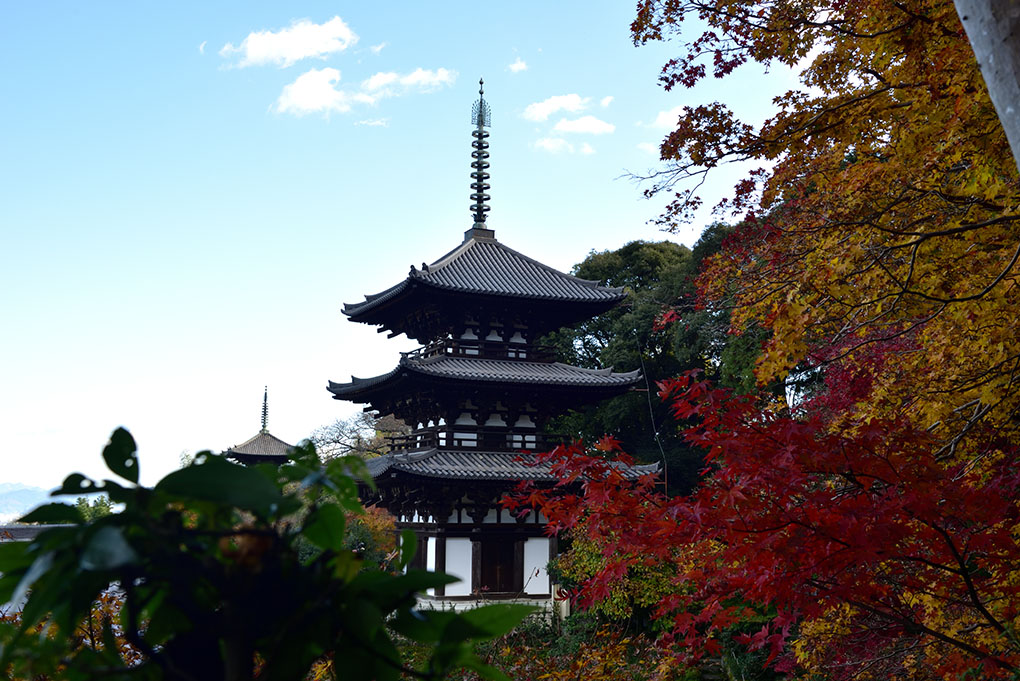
(16, 500)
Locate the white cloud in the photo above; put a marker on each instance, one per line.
(518, 65)
(374, 122)
(314, 92)
(201, 48)
(540, 111)
(587, 148)
(606, 101)
(376, 49)
(588, 125)
(554, 145)
(301, 40)
(422, 80)
(649, 148)
(379, 81)
(667, 120)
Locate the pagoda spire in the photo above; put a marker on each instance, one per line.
(481, 117)
(265, 410)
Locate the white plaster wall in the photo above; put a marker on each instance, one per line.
(536, 557)
(430, 559)
(491, 517)
(458, 564)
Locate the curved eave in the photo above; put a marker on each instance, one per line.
(387, 308)
(464, 372)
(487, 268)
(478, 466)
(376, 300)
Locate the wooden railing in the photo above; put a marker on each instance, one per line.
(473, 437)
(481, 349)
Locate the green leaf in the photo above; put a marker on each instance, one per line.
(40, 566)
(325, 527)
(76, 484)
(219, 481)
(14, 556)
(166, 622)
(483, 670)
(120, 455)
(54, 513)
(107, 549)
(421, 626)
(408, 547)
(402, 586)
(496, 620)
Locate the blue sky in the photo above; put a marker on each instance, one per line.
(189, 192)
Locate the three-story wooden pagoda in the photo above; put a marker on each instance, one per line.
(477, 396)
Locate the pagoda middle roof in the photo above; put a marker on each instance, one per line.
(497, 371)
(476, 465)
(482, 265)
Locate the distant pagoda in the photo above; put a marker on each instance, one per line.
(264, 447)
(477, 396)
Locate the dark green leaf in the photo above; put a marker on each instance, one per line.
(425, 627)
(107, 549)
(496, 620)
(222, 482)
(401, 586)
(117, 493)
(484, 670)
(408, 547)
(325, 527)
(14, 556)
(40, 567)
(75, 484)
(120, 455)
(55, 513)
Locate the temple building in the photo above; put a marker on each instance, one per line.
(264, 447)
(477, 396)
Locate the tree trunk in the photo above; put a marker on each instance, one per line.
(993, 27)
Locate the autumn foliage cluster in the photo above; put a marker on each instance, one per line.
(860, 508)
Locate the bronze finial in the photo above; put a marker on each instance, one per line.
(265, 410)
(481, 116)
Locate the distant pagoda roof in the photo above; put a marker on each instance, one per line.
(264, 447)
(483, 268)
(474, 465)
(466, 371)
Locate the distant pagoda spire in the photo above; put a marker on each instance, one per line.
(265, 410)
(481, 117)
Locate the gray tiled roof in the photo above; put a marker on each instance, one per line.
(263, 444)
(495, 371)
(23, 532)
(485, 266)
(475, 465)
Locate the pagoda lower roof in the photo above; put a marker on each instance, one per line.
(481, 266)
(475, 465)
(467, 370)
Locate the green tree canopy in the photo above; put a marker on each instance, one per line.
(659, 278)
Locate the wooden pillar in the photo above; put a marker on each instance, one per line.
(518, 586)
(476, 563)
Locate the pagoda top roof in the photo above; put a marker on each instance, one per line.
(263, 447)
(481, 265)
(498, 371)
(475, 465)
